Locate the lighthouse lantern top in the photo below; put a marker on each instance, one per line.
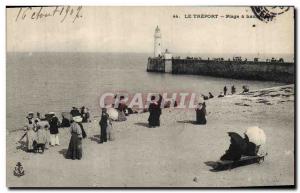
(157, 32)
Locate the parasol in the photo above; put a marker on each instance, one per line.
(113, 113)
(256, 135)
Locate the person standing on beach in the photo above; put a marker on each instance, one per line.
(201, 113)
(30, 138)
(45, 126)
(155, 111)
(54, 124)
(41, 137)
(122, 107)
(103, 126)
(225, 90)
(75, 146)
(233, 89)
(110, 130)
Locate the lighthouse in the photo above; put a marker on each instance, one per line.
(157, 43)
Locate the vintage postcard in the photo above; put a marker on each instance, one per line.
(162, 96)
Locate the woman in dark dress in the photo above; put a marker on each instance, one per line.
(155, 111)
(103, 126)
(201, 114)
(75, 145)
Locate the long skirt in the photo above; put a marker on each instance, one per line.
(31, 136)
(110, 132)
(154, 119)
(200, 117)
(103, 133)
(75, 148)
(121, 116)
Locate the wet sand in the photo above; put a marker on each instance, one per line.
(172, 155)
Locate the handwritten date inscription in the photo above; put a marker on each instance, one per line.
(38, 13)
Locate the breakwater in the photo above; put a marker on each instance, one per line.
(252, 70)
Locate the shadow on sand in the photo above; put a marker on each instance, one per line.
(63, 152)
(142, 124)
(95, 138)
(22, 146)
(188, 121)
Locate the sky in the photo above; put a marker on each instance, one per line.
(131, 29)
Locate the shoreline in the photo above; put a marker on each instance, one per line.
(173, 154)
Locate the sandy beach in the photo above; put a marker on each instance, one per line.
(172, 155)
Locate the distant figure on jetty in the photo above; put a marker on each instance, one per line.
(201, 113)
(233, 89)
(225, 90)
(245, 89)
(210, 95)
(103, 126)
(54, 125)
(75, 145)
(155, 112)
(221, 95)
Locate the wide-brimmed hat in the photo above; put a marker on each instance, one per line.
(200, 100)
(77, 119)
(30, 115)
(51, 114)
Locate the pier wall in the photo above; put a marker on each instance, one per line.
(273, 71)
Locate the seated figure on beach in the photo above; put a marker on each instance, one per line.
(245, 89)
(221, 95)
(205, 97)
(210, 95)
(201, 113)
(75, 145)
(236, 148)
(254, 139)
